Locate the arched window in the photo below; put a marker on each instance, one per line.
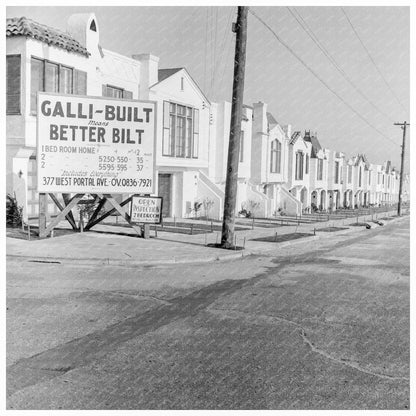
(93, 26)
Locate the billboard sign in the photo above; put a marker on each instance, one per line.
(146, 209)
(95, 144)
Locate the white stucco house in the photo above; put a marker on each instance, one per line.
(299, 169)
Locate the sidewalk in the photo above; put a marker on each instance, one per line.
(117, 245)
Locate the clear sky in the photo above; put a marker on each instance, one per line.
(200, 39)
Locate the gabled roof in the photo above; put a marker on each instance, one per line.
(295, 137)
(316, 146)
(363, 158)
(166, 73)
(21, 26)
(387, 166)
(271, 120)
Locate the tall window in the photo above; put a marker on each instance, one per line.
(319, 172)
(180, 131)
(53, 77)
(299, 166)
(336, 172)
(13, 84)
(242, 146)
(349, 173)
(275, 156)
(360, 173)
(307, 164)
(369, 177)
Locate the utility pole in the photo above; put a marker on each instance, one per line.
(403, 127)
(240, 28)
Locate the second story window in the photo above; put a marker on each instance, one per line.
(180, 131)
(349, 173)
(369, 177)
(49, 76)
(275, 156)
(336, 180)
(299, 166)
(360, 173)
(307, 164)
(115, 92)
(320, 170)
(242, 146)
(13, 84)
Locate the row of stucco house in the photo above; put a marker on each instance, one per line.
(281, 171)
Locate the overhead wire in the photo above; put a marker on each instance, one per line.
(372, 60)
(301, 21)
(223, 44)
(228, 49)
(206, 47)
(318, 77)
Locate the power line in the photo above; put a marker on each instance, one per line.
(372, 60)
(223, 44)
(315, 39)
(206, 47)
(228, 49)
(318, 77)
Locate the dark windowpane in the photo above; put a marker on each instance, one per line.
(66, 86)
(51, 77)
(80, 82)
(13, 85)
(36, 82)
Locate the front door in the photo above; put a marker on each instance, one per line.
(164, 190)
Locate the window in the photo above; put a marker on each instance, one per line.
(182, 84)
(242, 146)
(180, 131)
(52, 77)
(383, 179)
(307, 164)
(319, 172)
(369, 177)
(93, 26)
(360, 176)
(115, 92)
(336, 172)
(13, 84)
(299, 166)
(275, 156)
(349, 173)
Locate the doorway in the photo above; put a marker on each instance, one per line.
(165, 191)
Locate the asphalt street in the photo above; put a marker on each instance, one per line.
(320, 325)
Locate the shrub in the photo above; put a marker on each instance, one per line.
(14, 213)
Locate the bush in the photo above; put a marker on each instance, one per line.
(14, 213)
(87, 208)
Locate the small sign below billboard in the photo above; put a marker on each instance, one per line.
(95, 145)
(146, 209)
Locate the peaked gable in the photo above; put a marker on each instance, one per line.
(164, 74)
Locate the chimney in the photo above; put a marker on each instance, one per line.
(83, 27)
(288, 130)
(260, 118)
(148, 69)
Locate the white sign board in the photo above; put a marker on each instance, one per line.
(95, 145)
(145, 209)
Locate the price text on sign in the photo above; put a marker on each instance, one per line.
(145, 210)
(101, 145)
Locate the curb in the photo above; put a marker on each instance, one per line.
(128, 263)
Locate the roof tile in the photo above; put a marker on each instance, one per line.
(21, 26)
